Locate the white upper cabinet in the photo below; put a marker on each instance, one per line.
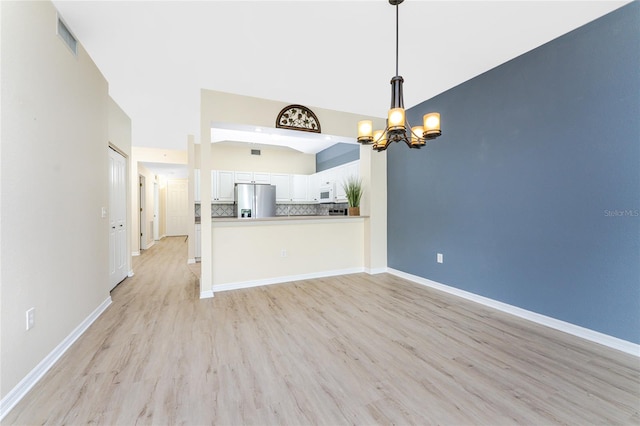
(243, 177)
(352, 169)
(262, 178)
(314, 188)
(252, 177)
(222, 183)
(336, 175)
(289, 188)
(283, 186)
(342, 174)
(300, 188)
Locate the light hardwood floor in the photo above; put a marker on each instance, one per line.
(354, 349)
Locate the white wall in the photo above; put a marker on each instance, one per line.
(225, 107)
(270, 160)
(54, 183)
(252, 251)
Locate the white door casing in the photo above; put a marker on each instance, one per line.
(117, 218)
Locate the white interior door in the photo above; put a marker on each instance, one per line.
(142, 216)
(117, 218)
(156, 212)
(177, 207)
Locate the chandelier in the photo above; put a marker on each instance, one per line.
(398, 128)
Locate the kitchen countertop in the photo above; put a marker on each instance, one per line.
(235, 220)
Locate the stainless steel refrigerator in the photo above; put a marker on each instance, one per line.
(254, 200)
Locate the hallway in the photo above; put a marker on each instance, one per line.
(353, 349)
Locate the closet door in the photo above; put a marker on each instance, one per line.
(117, 218)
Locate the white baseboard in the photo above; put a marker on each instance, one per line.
(206, 294)
(130, 274)
(375, 271)
(20, 390)
(278, 280)
(576, 330)
(191, 261)
(135, 253)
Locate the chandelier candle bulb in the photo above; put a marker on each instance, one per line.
(365, 131)
(396, 119)
(379, 139)
(432, 125)
(416, 135)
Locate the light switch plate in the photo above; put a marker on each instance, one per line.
(440, 258)
(31, 318)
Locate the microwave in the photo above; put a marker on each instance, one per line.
(327, 193)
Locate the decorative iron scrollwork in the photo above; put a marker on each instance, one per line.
(298, 117)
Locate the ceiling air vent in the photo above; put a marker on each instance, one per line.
(67, 37)
(255, 152)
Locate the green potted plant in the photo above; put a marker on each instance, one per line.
(353, 189)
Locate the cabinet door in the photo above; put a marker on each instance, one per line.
(327, 176)
(352, 170)
(214, 185)
(299, 187)
(243, 177)
(314, 187)
(196, 185)
(262, 178)
(340, 177)
(344, 173)
(225, 186)
(283, 186)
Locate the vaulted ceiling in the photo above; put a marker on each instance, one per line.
(338, 55)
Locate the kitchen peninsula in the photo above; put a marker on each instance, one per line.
(238, 254)
(251, 252)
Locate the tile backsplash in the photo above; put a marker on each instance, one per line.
(229, 210)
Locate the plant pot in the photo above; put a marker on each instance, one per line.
(354, 211)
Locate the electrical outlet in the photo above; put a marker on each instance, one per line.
(31, 318)
(283, 253)
(440, 258)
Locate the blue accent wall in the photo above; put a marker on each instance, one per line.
(336, 155)
(532, 193)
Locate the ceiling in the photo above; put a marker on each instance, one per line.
(157, 55)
